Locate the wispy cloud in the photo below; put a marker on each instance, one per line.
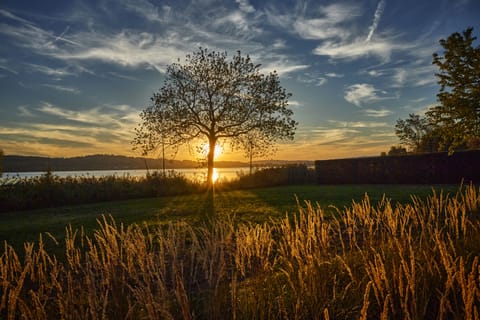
(181, 33)
(376, 19)
(245, 6)
(358, 124)
(413, 75)
(111, 117)
(4, 66)
(358, 48)
(377, 113)
(334, 75)
(126, 49)
(312, 79)
(62, 88)
(329, 25)
(57, 72)
(147, 10)
(24, 111)
(362, 93)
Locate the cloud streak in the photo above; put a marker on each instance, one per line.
(376, 19)
(362, 93)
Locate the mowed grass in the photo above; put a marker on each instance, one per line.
(251, 206)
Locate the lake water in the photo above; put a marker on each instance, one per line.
(193, 174)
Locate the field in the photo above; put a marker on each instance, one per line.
(269, 254)
(253, 205)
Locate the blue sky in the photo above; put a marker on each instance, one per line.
(74, 75)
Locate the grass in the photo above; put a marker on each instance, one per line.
(254, 206)
(373, 259)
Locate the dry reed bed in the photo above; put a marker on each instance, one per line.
(413, 261)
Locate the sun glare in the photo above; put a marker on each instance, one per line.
(215, 175)
(217, 153)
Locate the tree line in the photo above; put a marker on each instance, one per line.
(454, 123)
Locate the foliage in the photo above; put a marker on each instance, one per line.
(458, 115)
(397, 151)
(454, 124)
(209, 97)
(414, 261)
(412, 131)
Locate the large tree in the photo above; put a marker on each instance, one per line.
(212, 98)
(455, 122)
(457, 117)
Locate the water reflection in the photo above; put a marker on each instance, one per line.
(199, 174)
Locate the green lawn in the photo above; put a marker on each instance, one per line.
(254, 205)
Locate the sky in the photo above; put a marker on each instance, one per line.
(74, 75)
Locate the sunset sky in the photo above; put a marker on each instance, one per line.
(74, 75)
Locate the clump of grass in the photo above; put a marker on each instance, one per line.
(368, 261)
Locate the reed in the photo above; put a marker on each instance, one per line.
(368, 261)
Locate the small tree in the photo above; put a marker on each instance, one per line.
(256, 145)
(149, 137)
(412, 131)
(209, 97)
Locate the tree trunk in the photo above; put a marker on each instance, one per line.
(163, 159)
(210, 184)
(251, 161)
(210, 162)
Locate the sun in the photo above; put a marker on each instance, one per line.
(218, 150)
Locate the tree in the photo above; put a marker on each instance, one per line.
(211, 98)
(457, 117)
(256, 144)
(412, 131)
(152, 136)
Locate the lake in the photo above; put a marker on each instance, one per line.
(199, 174)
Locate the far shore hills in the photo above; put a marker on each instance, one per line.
(15, 163)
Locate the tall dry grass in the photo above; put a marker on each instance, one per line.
(369, 261)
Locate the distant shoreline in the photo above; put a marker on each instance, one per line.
(15, 163)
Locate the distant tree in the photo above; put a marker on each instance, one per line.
(256, 145)
(457, 117)
(152, 136)
(412, 131)
(209, 97)
(397, 151)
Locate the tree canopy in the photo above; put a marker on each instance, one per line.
(455, 122)
(212, 98)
